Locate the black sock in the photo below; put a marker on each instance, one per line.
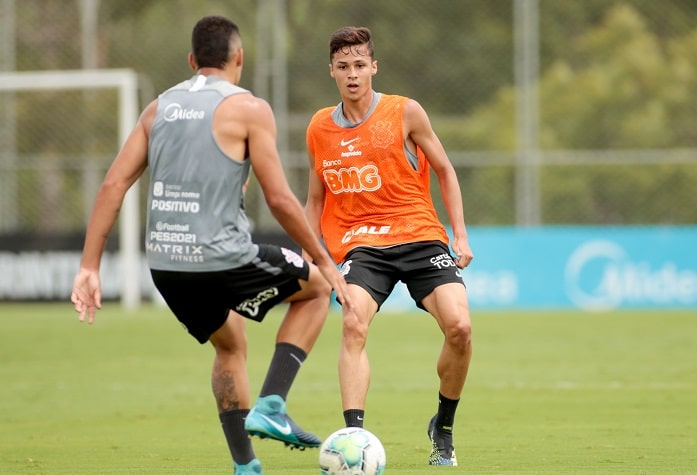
(238, 441)
(354, 417)
(285, 364)
(446, 413)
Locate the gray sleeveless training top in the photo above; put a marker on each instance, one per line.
(196, 220)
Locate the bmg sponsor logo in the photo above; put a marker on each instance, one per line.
(353, 179)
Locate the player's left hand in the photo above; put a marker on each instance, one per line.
(463, 252)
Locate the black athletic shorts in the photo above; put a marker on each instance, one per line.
(201, 300)
(422, 266)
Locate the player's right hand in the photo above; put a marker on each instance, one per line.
(338, 283)
(87, 294)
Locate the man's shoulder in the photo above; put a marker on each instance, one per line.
(185, 84)
(322, 118)
(394, 98)
(246, 103)
(147, 116)
(226, 88)
(323, 113)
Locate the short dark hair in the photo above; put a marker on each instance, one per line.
(211, 39)
(349, 36)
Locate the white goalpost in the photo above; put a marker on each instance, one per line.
(126, 83)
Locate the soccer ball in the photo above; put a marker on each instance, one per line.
(352, 451)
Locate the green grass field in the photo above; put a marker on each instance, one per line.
(551, 392)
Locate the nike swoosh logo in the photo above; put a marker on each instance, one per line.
(283, 429)
(346, 142)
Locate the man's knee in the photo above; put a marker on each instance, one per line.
(459, 333)
(355, 329)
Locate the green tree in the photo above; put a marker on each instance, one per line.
(620, 87)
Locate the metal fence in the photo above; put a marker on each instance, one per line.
(552, 112)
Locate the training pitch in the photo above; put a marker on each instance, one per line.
(548, 392)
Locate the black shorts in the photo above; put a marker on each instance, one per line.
(422, 266)
(201, 300)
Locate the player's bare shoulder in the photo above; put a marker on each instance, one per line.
(416, 121)
(238, 121)
(147, 116)
(246, 104)
(246, 109)
(414, 112)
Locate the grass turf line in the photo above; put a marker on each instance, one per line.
(548, 392)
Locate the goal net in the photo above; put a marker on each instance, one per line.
(59, 132)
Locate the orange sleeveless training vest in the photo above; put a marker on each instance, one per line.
(373, 195)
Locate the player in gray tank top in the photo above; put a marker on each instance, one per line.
(196, 220)
(201, 139)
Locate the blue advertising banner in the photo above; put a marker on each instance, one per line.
(588, 268)
(574, 267)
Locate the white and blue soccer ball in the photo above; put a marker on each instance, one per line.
(352, 451)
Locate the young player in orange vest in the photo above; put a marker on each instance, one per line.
(369, 198)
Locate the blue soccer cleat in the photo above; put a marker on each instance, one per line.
(252, 468)
(442, 450)
(268, 420)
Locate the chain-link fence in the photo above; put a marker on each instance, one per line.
(552, 112)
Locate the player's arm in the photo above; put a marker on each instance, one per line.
(266, 163)
(282, 202)
(315, 198)
(419, 131)
(129, 165)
